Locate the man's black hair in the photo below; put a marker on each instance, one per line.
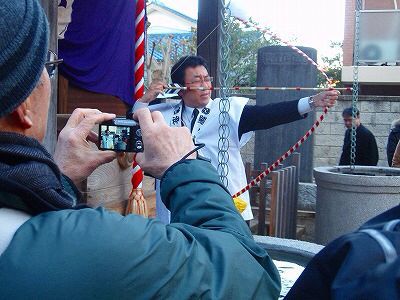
(348, 112)
(189, 61)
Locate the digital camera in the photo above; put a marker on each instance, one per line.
(121, 135)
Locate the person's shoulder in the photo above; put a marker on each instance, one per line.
(395, 130)
(70, 217)
(234, 102)
(239, 99)
(234, 98)
(65, 229)
(365, 129)
(165, 106)
(87, 227)
(367, 134)
(395, 126)
(86, 244)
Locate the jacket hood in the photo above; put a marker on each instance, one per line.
(395, 124)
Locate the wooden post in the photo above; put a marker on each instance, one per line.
(209, 18)
(247, 168)
(275, 178)
(293, 202)
(63, 89)
(261, 202)
(50, 7)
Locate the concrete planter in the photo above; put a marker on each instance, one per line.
(290, 257)
(295, 251)
(345, 199)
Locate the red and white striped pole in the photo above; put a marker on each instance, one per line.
(136, 201)
(139, 48)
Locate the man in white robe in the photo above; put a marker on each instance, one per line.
(192, 71)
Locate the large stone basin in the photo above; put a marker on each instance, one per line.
(347, 198)
(295, 251)
(290, 257)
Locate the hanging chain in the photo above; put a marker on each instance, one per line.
(356, 63)
(224, 104)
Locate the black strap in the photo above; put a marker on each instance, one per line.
(194, 117)
(198, 147)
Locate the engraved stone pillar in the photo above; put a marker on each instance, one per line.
(280, 66)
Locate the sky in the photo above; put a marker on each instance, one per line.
(311, 23)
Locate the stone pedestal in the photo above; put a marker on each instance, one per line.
(346, 200)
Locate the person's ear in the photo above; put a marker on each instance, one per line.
(23, 116)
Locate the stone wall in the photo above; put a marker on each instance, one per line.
(376, 112)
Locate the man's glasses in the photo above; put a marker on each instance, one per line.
(52, 62)
(200, 80)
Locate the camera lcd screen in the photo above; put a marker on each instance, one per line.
(115, 138)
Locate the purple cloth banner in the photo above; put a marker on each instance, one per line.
(99, 47)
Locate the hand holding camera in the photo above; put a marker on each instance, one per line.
(164, 145)
(74, 155)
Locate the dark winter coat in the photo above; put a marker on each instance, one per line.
(366, 148)
(393, 140)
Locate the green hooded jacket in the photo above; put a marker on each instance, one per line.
(206, 252)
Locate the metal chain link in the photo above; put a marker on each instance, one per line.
(356, 63)
(224, 104)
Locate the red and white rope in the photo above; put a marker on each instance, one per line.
(249, 23)
(255, 88)
(137, 175)
(284, 156)
(309, 132)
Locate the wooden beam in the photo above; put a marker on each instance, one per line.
(63, 85)
(208, 32)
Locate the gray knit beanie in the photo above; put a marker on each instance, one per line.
(23, 48)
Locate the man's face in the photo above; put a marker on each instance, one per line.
(348, 121)
(196, 77)
(40, 101)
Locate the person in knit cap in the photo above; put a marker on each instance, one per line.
(51, 247)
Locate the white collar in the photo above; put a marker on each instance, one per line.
(182, 115)
(10, 221)
(187, 113)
